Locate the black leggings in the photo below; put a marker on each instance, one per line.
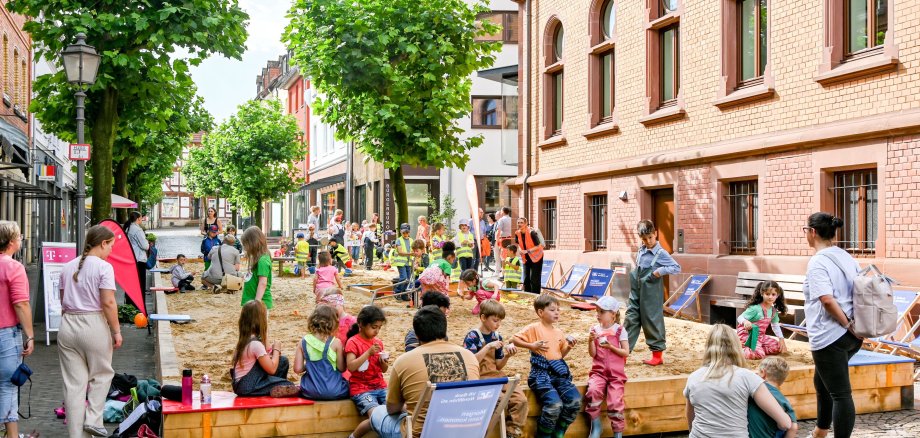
(532, 272)
(832, 384)
(142, 279)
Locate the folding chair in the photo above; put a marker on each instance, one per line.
(597, 285)
(677, 303)
(904, 301)
(467, 409)
(547, 275)
(573, 281)
(388, 291)
(795, 330)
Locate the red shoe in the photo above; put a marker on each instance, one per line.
(655, 360)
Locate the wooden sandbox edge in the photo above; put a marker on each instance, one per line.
(167, 361)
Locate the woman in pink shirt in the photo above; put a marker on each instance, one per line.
(89, 332)
(15, 318)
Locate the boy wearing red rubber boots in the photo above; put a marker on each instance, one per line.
(646, 294)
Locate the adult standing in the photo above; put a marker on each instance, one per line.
(433, 360)
(138, 240)
(211, 219)
(228, 262)
(89, 332)
(503, 235)
(828, 289)
(15, 319)
(313, 218)
(423, 232)
(336, 228)
(490, 236)
(530, 246)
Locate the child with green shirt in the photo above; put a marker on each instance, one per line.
(258, 284)
(773, 370)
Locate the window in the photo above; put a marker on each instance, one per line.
(866, 22)
(554, 82)
(667, 6)
(598, 207)
(25, 88)
(558, 43)
(548, 222)
(558, 85)
(6, 65)
(663, 61)
(602, 64)
(856, 202)
(14, 92)
(742, 197)
(487, 112)
(509, 31)
(669, 67)
(361, 202)
(752, 39)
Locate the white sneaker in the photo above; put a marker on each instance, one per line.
(95, 430)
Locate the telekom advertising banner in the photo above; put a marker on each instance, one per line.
(54, 256)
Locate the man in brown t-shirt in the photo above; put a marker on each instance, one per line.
(434, 361)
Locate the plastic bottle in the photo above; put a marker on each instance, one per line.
(187, 387)
(205, 390)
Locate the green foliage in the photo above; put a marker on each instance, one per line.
(126, 313)
(249, 159)
(444, 213)
(139, 74)
(394, 75)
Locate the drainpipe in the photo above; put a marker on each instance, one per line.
(349, 181)
(527, 105)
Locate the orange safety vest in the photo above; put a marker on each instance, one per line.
(525, 241)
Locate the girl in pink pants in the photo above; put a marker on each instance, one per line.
(608, 344)
(762, 311)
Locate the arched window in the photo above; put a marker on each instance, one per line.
(14, 92)
(24, 82)
(602, 32)
(489, 112)
(553, 78)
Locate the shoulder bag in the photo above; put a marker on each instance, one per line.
(228, 281)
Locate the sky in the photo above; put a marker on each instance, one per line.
(225, 83)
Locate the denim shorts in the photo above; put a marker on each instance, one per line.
(386, 425)
(366, 401)
(10, 358)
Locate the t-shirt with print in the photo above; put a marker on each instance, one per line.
(437, 362)
(254, 350)
(554, 338)
(760, 425)
(474, 342)
(83, 295)
(263, 269)
(720, 405)
(372, 378)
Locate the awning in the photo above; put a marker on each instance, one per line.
(117, 202)
(507, 75)
(24, 189)
(328, 181)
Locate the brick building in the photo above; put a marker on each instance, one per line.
(727, 122)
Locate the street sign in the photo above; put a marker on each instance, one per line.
(79, 152)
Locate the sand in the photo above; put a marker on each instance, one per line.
(206, 345)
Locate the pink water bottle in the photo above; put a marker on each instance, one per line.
(187, 387)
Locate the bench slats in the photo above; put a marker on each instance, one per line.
(787, 286)
(779, 278)
(791, 284)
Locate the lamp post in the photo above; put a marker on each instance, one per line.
(81, 63)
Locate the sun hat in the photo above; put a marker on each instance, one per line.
(608, 303)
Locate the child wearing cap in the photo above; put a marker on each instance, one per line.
(302, 254)
(465, 243)
(608, 344)
(402, 260)
(210, 241)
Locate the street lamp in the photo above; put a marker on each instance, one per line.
(81, 62)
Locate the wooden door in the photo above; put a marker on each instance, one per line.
(663, 216)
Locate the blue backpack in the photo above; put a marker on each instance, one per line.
(321, 381)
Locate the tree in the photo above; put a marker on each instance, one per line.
(249, 159)
(137, 41)
(394, 76)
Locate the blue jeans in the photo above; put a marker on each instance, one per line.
(10, 358)
(366, 401)
(560, 400)
(404, 273)
(386, 425)
(355, 252)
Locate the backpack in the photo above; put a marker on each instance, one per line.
(874, 312)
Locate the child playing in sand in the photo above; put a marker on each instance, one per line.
(550, 379)
(365, 358)
(302, 254)
(774, 371)
(333, 297)
(326, 275)
(255, 370)
(465, 243)
(180, 278)
(340, 256)
(646, 293)
(762, 310)
(473, 287)
(422, 259)
(493, 354)
(428, 299)
(321, 359)
(436, 277)
(511, 268)
(608, 344)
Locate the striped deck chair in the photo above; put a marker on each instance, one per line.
(677, 303)
(597, 285)
(573, 282)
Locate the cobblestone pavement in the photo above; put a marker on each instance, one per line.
(174, 241)
(135, 357)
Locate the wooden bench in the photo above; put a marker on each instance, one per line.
(747, 281)
(280, 261)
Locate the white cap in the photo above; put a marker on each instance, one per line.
(608, 303)
(465, 221)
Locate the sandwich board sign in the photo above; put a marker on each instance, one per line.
(54, 256)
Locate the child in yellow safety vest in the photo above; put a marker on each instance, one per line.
(512, 268)
(402, 260)
(437, 240)
(302, 254)
(339, 255)
(465, 243)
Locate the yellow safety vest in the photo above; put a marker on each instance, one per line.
(341, 253)
(302, 252)
(512, 269)
(436, 242)
(462, 249)
(406, 245)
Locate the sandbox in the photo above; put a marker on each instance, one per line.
(653, 395)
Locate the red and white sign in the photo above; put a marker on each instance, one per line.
(79, 152)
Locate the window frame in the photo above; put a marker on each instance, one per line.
(871, 30)
(836, 65)
(758, 55)
(861, 246)
(506, 34)
(549, 226)
(659, 21)
(602, 46)
(675, 62)
(553, 86)
(598, 204)
(752, 211)
(476, 117)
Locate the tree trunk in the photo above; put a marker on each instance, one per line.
(103, 137)
(121, 186)
(258, 216)
(233, 218)
(398, 184)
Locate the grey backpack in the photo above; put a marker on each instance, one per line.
(874, 312)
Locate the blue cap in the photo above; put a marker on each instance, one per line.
(300, 235)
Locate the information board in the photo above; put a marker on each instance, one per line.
(54, 256)
(461, 412)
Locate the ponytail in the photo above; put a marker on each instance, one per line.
(95, 236)
(132, 218)
(825, 224)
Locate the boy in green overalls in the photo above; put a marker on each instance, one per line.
(646, 293)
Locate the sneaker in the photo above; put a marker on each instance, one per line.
(95, 430)
(282, 391)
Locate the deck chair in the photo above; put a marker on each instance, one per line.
(547, 275)
(464, 409)
(795, 330)
(678, 303)
(388, 291)
(598, 284)
(573, 282)
(905, 301)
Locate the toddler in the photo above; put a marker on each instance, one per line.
(437, 240)
(436, 277)
(774, 371)
(180, 278)
(481, 290)
(321, 359)
(326, 276)
(512, 268)
(370, 245)
(608, 344)
(366, 360)
(465, 243)
(302, 254)
(762, 310)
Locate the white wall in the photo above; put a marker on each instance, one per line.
(325, 149)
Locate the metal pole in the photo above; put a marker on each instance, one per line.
(81, 171)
